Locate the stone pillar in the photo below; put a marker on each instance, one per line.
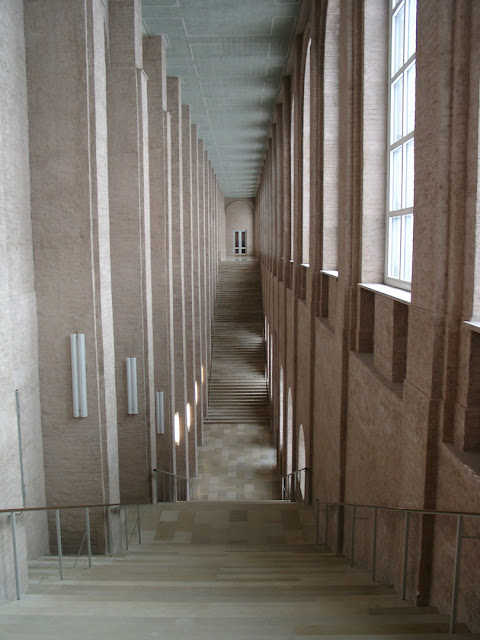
(203, 274)
(190, 311)
(71, 234)
(130, 245)
(209, 248)
(178, 270)
(21, 449)
(197, 283)
(155, 65)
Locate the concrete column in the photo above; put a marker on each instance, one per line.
(21, 451)
(130, 245)
(178, 269)
(190, 310)
(71, 233)
(203, 273)
(199, 319)
(154, 61)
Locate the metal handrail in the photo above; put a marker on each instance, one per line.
(291, 486)
(459, 515)
(13, 513)
(75, 506)
(174, 488)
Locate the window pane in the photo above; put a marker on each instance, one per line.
(411, 40)
(396, 179)
(394, 247)
(397, 39)
(409, 120)
(396, 110)
(407, 247)
(409, 173)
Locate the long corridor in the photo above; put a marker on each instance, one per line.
(237, 460)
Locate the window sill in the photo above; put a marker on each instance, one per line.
(474, 325)
(329, 272)
(401, 295)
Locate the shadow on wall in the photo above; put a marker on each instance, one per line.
(239, 217)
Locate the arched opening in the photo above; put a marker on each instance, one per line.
(306, 161)
(302, 460)
(280, 416)
(289, 432)
(292, 181)
(239, 229)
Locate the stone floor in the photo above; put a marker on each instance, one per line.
(236, 462)
(273, 523)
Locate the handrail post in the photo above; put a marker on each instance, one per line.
(138, 523)
(109, 531)
(374, 550)
(405, 555)
(126, 526)
(352, 545)
(456, 575)
(338, 536)
(59, 543)
(89, 542)
(326, 525)
(15, 553)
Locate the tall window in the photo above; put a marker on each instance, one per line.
(306, 161)
(292, 181)
(401, 143)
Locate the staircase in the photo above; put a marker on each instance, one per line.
(238, 390)
(216, 571)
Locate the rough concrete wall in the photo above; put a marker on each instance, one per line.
(129, 229)
(154, 57)
(394, 381)
(68, 155)
(18, 335)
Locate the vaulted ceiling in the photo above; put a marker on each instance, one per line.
(230, 56)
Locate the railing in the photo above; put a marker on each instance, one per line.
(337, 507)
(172, 487)
(14, 513)
(293, 486)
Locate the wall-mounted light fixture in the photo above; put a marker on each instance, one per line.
(188, 412)
(159, 413)
(79, 375)
(177, 428)
(197, 394)
(132, 396)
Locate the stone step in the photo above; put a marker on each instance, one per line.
(203, 591)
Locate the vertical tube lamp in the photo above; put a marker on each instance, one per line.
(159, 413)
(79, 375)
(132, 396)
(177, 428)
